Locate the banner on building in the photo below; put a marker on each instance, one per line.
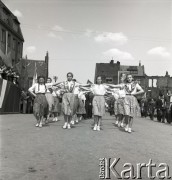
(9, 97)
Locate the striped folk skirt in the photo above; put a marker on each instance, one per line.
(81, 107)
(40, 107)
(98, 105)
(50, 100)
(68, 101)
(119, 106)
(76, 104)
(131, 106)
(57, 107)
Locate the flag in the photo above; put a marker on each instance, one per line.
(89, 82)
(34, 76)
(3, 85)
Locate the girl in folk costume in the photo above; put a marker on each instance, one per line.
(119, 103)
(76, 104)
(81, 107)
(40, 107)
(131, 105)
(56, 110)
(49, 97)
(99, 91)
(68, 100)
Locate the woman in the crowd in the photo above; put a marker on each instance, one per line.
(131, 106)
(40, 107)
(49, 97)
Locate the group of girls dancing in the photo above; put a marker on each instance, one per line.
(73, 95)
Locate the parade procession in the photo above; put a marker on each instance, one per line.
(73, 100)
(85, 89)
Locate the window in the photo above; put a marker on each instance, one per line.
(18, 47)
(150, 82)
(9, 40)
(154, 82)
(3, 37)
(109, 80)
(14, 44)
(134, 72)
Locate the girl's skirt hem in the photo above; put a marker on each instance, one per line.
(99, 106)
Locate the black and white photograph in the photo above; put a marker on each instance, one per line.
(85, 89)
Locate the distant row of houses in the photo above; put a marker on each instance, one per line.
(153, 85)
(11, 47)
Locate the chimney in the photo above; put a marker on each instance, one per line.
(118, 62)
(166, 74)
(112, 61)
(139, 63)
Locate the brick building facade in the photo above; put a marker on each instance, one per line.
(157, 84)
(153, 85)
(110, 72)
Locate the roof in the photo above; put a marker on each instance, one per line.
(31, 65)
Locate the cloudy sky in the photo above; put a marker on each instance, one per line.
(80, 33)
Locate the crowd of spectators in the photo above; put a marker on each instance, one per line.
(9, 74)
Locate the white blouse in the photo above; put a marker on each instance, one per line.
(38, 88)
(48, 85)
(81, 95)
(76, 90)
(99, 89)
(56, 93)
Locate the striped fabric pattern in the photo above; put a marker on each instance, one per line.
(9, 97)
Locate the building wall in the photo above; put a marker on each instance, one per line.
(113, 70)
(157, 84)
(11, 38)
(108, 72)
